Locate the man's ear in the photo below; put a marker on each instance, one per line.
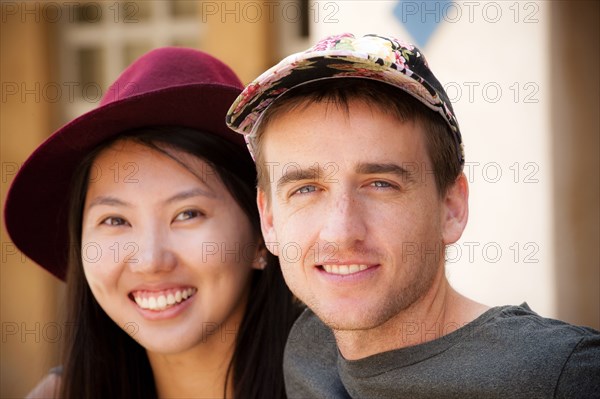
(266, 222)
(455, 211)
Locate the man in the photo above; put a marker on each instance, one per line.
(360, 190)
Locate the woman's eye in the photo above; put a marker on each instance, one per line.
(114, 221)
(306, 190)
(189, 214)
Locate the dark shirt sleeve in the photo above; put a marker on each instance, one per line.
(580, 377)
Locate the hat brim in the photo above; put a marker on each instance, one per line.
(245, 114)
(36, 209)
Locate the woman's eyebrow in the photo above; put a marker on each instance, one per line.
(108, 200)
(195, 192)
(114, 201)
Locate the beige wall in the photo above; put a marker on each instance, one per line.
(245, 46)
(30, 339)
(575, 76)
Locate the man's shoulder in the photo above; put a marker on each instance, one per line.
(508, 351)
(309, 335)
(553, 349)
(310, 360)
(517, 332)
(521, 323)
(509, 347)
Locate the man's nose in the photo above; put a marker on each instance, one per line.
(344, 221)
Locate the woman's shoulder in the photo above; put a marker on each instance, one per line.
(48, 387)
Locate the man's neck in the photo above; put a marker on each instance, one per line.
(439, 312)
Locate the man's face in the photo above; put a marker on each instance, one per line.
(353, 212)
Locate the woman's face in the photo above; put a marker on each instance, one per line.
(167, 253)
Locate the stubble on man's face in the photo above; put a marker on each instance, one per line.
(376, 209)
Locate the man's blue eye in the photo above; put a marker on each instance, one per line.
(380, 184)
(306, 189)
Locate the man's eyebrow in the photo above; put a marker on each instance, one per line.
(296, 173)
(385, 168)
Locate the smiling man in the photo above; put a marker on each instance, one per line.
(360, 190)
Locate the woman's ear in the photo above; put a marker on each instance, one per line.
(266, 222)
(455, 211)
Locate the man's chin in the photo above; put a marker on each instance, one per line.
(348, 320)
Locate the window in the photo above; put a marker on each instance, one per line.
(100, 39)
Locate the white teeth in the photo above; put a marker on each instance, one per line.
(170, 299)
(344, 269)
(162, 302)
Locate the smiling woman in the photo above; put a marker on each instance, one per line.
(150, 200)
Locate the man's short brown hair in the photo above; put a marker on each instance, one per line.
(440, 143)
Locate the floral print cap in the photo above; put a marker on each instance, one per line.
(380, 58)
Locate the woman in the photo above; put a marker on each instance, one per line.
(150, 200)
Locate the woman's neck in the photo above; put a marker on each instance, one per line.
(197, 373)
(201, 371)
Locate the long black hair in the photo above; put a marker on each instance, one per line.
(100, 360)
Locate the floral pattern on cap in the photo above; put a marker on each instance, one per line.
(380, 58)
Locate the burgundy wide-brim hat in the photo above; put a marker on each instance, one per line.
(167, 86)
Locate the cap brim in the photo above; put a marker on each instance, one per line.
(245, 114)
(37, 203)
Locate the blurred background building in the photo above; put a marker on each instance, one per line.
(523, 75)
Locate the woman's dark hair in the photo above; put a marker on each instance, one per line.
(101, 360)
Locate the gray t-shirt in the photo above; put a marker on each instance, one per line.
(507, 352)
